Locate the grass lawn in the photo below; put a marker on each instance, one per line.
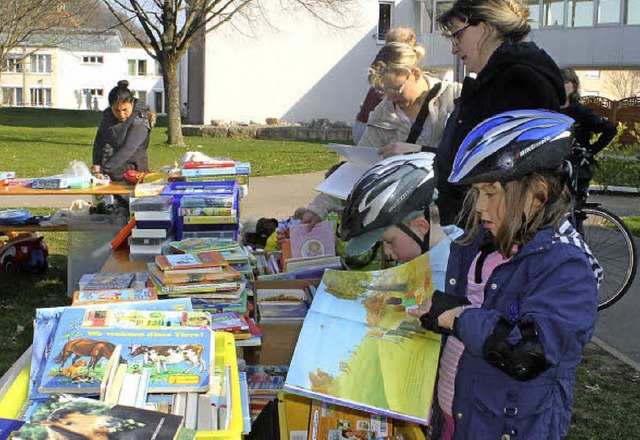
(43, 142)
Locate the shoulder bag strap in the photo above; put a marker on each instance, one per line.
(416, 128)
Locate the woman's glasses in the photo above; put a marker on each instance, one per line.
(394, 91)
(454, 37)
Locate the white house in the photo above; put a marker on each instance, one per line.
(79, 71)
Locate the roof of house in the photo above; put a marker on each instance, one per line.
(79, 40)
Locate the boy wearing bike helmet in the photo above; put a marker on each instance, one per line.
(521, 290)
(391, 204)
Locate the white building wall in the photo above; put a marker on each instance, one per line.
(73, 77)
(149, 83)
(297, 69)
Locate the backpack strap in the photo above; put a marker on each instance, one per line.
(416, 128)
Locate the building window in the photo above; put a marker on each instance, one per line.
(534, 13)
(94, 92)
(159, 102)
(594, 74)
(93, 59)
(40, 63)
(158, 69)
(553, 12)
(40, 97)
(423, 16)
(384, 19)
(580, 13)
(442, 6)
(608, 11)
(142, 95)
(13, 64)
(632, 12)
(137, 67)
(590, 93)
(12, 96)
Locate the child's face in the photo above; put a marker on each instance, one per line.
(401, 247)
(491, 205)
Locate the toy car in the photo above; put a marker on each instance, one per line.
(23, 251)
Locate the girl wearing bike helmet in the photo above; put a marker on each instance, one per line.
(391, 203)
(521, 290)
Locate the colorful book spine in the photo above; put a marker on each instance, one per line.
(210, 219)
(208, 211)
(81, 297)
(242, 179)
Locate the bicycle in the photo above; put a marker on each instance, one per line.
(604, 232)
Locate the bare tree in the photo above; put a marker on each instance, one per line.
(170, 26)
(622, 83)
(22, 21)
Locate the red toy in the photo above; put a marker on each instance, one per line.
(23, 251)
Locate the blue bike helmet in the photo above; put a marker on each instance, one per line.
(512, 144)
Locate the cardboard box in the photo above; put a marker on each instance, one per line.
(279, 339)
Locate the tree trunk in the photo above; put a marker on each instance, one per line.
(174, 123)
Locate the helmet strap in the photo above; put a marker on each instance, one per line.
(424, 244)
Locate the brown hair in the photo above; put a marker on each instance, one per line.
(546, 187)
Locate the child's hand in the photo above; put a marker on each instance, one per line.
(445, 320)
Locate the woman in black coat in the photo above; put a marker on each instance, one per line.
(511, 74)
(123, 135)
(588, 123)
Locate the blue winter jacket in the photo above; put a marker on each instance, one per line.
(552, 282)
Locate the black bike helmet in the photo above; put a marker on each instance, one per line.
(384, 196)
(512, 144)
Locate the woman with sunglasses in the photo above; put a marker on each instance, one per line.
(397, 73)
(487, 36)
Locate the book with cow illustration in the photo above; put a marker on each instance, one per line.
(358, 322)
(46, 323)
(179, 356)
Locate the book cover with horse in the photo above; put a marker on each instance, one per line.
(178, 356)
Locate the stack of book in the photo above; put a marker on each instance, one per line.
(153, 225)
(241, 326)
(265, 382)
(283, 305)
(219, 170)
(238, 256)
(211, 209)
(202, 275)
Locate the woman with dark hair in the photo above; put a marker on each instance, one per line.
(588, 123)
(487, 35)
(123, 135)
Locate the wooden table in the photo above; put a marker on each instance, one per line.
(119, 262)
(112, 188)
(19, 192)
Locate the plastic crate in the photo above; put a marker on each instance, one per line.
(181, 189)
(14, 386)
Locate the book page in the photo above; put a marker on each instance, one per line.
(342, 180)
(358, 322)
(363, 156)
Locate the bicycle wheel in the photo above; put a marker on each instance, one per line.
(612, 244)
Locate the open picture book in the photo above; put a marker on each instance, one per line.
(359, 348)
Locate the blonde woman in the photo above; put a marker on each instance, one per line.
(487, 35)
(407, 89)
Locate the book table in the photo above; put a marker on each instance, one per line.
(19, 192)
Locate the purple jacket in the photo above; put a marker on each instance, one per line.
(552, 281)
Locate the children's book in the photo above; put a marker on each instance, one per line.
(191, 245)
(82, 297)
(105, 280)
(100, 318)
(223, 274)
(266, 379)
(123, 234)
(179, 356)
(190, 261)
(228, 322)
(358, 322)
(65, 417)
(317, 242)
(328, 422)
(46, 322)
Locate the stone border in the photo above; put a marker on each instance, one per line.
(616, 353)
(292, 133)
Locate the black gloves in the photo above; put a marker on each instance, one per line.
(441, 302)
